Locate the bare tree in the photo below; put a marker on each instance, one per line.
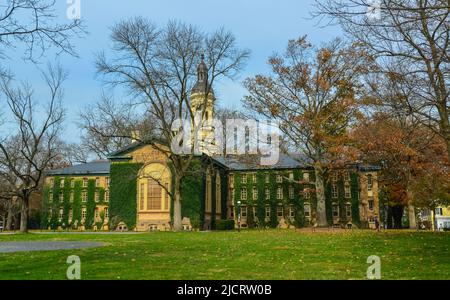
(109, 125)
(158, 66)
(7, 205)
(33, 24)
(314, 93)
(27, 151)
(410, 40)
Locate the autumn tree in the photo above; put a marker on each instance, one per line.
(410, 41)
(158, 66)
(430, 183)
(409, 154)
(314, 94)
(28, 147)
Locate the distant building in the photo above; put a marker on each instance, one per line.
(442, 218)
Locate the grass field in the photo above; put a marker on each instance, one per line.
(268, 254)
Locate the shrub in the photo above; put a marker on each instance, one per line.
(225, 224)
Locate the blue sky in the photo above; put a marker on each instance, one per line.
(262, 26)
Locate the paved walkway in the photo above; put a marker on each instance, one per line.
(11, 247)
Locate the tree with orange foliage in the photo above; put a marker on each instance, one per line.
(409, 154)
(314, 94)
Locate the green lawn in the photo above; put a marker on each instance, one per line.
(272, 254)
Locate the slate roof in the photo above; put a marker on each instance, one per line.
(286, 161)
(96, 167)
(241, 163)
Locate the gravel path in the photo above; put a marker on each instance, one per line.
(10, 247)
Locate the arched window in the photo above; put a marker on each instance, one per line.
(153, 184)
(154, 195)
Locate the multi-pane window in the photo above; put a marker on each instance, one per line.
(106, 213)
(61, 214)
(61, 197)
(438, 211)
(61, 183)
(97, 182)
(244, 178)
(334, 191)
(83, 213)
(107, 181)
(335, 209)
(346, 176)
(291, 211)
(291, 192)
(96, 213)
(267, 179)
(307, 209)
(255, 193)
(243, 194)
(291, 176)
(369, 182)
(97, 196)
(279, 193)
(267, 211)
(85, 182)
(72, 183)
(334, 176)
(371, 204)
(348, 210)
(70, 215)
(267, 191)
(347, 190)
(84, 196)
(306, 177)
(154, 191)
(306, 193)
(279, 179)
(244, 212)
(107, 196)
(279, 211)
(254, 177)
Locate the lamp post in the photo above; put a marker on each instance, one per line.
(239, 215)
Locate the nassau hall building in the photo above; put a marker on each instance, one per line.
(223, 192)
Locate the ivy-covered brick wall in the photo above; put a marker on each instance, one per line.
(123, 193)
(55, 204)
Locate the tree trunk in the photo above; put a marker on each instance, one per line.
(24, 212)
(412, 217)
(9, 218)
(397, 213)
(320, 194)
(177, 218)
